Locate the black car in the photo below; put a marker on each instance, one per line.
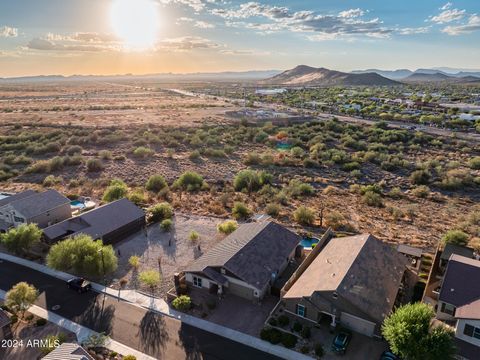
(79, 284)
(388, 355)
(340, 342)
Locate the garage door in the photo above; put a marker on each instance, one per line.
(357, 324)
(240, 290)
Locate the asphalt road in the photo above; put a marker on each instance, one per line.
(156, 335)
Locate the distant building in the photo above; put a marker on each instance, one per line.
(44, 209)
(270, 91)
(110, 223)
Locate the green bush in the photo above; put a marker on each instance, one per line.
(166, 225)
(227, 227)
(129, 357)
(115, 191)
(94, 165)
(474, 163)
(456, 237)
(297, 327)
(193, 236)
(421, 191)
(20, 239)
(240, 211)
(420, 177)
(160, 212)
(189, 181)
(283, 320)
(273, 209)
(372, 199)
(142, 152)
(40, 322)
(289, 340)
(304, 215)
(182, 303)
(156, 183)
(251, 180)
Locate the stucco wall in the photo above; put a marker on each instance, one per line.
(461, 326)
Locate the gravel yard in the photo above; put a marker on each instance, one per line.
(174, 250)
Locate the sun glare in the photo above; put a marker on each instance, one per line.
(135, 22)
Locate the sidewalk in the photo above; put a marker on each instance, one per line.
(81, 331)
(161, 306)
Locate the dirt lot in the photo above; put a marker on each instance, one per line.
(173, 248)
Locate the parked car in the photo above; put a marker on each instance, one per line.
(79, 284)
(340, 342)
(388, 355)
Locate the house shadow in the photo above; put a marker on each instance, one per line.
(153, 334)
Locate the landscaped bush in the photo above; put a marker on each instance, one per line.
(456, 237)
(240, 211)
(160, 212)
(283, 320)
(40, 322)
(297, 326)
(182, 303)
(130, 357)
(306, 332)
(227, 227)
(156, 183)
(193, 236)
(166, 225)
(273, 336)
(304, 215)
(289, 340)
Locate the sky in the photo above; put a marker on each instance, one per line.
(181, 36)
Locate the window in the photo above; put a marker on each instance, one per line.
(448, 309)
(19, 219)
(301, 311)
(197, 281)
(471, 331)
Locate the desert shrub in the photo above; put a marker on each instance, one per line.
(251, 180)
(227, 227)
(41, 166)
(94, 165)
(372, 198)
(420, 177)
(335, 220)
(156, 183)
(166, 225)
(193, 236)
(456, 237)
(137, 197)
(421, 191)
(240, 211)
(304, 215)
(51, 180)
(115, 191)
(297, 152)
(160, 212)
(252, 159)
(273, 209)
(194, 155)
(296, 189)
(73, 150)
(456, 179)
(105, 154)
(142, 152)
(189, 181)
(182, 303)
(130, 357)
(396, 193)
(474, 163)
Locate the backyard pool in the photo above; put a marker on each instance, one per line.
(308, 243)
(77, 204)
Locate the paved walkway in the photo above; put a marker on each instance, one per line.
(81, 331)
(160, 306)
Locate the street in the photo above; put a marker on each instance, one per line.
(156, 335)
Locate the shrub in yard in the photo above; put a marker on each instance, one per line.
(306, 332)
(193, 236)
(227, 227)
(289, 340)
(240, 211)
(305, 349)
(115, 191)
(130, 357)
(319, 350)
(134, 261)
(156, 183)
(94, 165)
(166, 225)
(189, 181)
(297, 327)
(304, 215)
(283, 320)
(182, 303)
(160, 212)
(456, 237)
(40, 322)
(273, 321)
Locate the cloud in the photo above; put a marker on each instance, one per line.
(7, 31)
(197, 23)
(447, 16)
(269, 19)
(448, 5)
(413, 31)
(197, 5)
(473, 24)
(47, 44)
(187, 43)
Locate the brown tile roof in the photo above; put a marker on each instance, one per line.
(361, 269)
(469, 311)
(68, 351)
(252, 253)
(461, 281)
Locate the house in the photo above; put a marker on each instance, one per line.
(459, 303)
(110, 223)
(5, 330)
(451, 249)
(245, 263)
(353, 281)
(68, 351)
(44, 209)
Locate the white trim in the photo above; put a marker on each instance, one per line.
(305, 318)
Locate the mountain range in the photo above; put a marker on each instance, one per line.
(442, 73)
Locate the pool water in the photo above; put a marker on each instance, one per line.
(308, 242)
(77, 204)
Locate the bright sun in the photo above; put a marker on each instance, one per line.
(135, 22)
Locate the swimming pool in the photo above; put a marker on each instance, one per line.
(77, 204)
(307, 242)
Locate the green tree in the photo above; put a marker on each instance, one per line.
(150, 278)
(115, 191)
(410, 335)
(83, 256)
(21, 239)
(20, 297)
(457, 237)
(156, 183)
(160, 212)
